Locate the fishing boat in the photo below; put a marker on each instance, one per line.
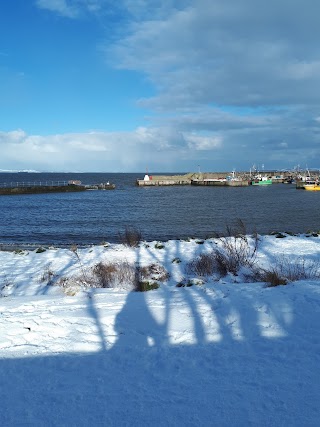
(261, 180)
(305, 180)
(102, 186)
(106, 186)
(312, 187)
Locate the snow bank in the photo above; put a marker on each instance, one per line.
(224, 353)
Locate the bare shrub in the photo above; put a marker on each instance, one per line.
(203, 265)
(131, 236)
(223, 264)
(116, 274)
(119, 274)
(236, 249)
(286, 270)
(105, 274)
(74, 248)
(299, 268)
(47, 275)
(85, 276)
(273, 278)
(84, 279)
(123, 274)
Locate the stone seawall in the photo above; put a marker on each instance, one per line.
(41, 189)
(162, 182)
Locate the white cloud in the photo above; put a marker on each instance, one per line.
(101, 150)
(72, 8)
(62, 7)
(239, 52)
(198, 142)
(276, 141)
(15, 136)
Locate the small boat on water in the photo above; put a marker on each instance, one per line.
(306, 180)
(261, 180)
(312, 187)
(257, 178)
(102, 186)
(107, 186)
(302, 183)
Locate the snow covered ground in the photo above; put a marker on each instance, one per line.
(222, 352)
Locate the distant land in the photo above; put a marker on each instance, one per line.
(18, 171)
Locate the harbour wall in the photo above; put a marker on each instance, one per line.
(204, 179)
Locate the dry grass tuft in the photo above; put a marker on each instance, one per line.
(131, 237)
(287, 270)
(203, 265)
(116, 274)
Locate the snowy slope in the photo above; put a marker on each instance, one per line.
(223, 353)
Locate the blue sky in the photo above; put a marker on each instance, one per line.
(87, 85)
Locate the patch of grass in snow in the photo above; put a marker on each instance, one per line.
(311, 233)
(159, 245)
(40, 250)
(146, 285)
(280, 236)
(118, 275)
(20, 252)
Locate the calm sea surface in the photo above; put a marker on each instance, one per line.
(161, 213)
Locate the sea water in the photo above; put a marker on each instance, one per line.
(160, 213)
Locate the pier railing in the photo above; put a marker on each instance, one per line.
(15, 184)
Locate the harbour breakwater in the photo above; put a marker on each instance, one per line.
(38, 189)
(15, 188)
(223, 179)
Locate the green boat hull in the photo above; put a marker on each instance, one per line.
(266, 182)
